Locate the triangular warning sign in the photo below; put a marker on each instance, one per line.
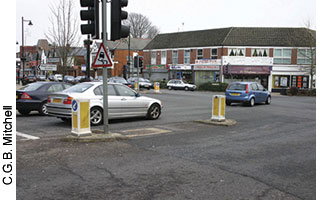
(102, 59)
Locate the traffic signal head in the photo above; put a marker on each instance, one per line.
(140, 61)
(92, 16)
(135, 61)
(117, 15)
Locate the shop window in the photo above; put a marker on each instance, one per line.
(214, 53)
(300, 81)
(282, 56)
(175, 57)
(237, 52)
(281, 81)
(187, 57)
(163, 57)
(200, 54)
(153, 58)
(304, 56)
(260, 52)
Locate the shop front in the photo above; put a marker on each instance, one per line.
(258, 74)
(182, 72)
(156, 72)
(207, 70)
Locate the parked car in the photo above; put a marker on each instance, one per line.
(41, 78)
(58, 77)
(34, 96)
(29, 79)
(143, 83)
(123, 102)
(80, 79)
(247, 92)
(121, 80)
(51, 77)
(180, 85)
(69, 79)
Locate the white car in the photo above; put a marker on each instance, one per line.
(58, 77)
(180, 85)
(123, 102)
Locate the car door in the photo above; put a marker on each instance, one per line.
(114, 101)
(255, 91)
(131, 105)
(262, 92)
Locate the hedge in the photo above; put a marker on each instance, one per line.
(215, 87)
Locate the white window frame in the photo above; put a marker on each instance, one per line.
(304, 57)
(175, 58)
(153, 57)
(187, 57)
(200, 57)
(260, 52)
(214, 56)
(163, 57)
(283, 58)
(236, 52)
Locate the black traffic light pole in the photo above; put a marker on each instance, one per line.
(88, 57)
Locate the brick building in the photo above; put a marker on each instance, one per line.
(275, 57)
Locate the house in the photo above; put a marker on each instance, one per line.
(275, 57)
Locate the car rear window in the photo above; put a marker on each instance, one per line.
(237, 86)
(79, 88)
(32, 86)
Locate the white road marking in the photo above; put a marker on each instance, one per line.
(28, 137)
(144, 132)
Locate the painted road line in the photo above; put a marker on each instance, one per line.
(144, 132)
(28, 137)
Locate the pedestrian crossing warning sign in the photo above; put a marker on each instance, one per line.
(102, 59)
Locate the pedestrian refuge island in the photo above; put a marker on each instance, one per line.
(81, 117)
(218, 108)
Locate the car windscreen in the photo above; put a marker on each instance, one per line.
(79, 88)
(32, 86)
(237, 86)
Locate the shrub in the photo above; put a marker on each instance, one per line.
(293, 91)
(216, 87)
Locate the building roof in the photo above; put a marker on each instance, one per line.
(236, 36)
(136, 44)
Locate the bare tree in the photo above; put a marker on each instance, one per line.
(140, 26)
(63, 31)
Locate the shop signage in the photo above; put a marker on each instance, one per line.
(208, 62)
(48, 67)
(33, 63)
(248, 70)
(180, 67)
(155, 66)
(258, 61)
(207, 67)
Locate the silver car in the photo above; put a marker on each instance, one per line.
(123, 102)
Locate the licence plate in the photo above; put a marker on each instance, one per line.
(57, 100)
(235, 94)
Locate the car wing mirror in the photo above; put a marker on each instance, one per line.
(137, 95)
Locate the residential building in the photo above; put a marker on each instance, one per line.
(275, 57)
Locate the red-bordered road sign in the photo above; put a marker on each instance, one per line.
(102, 59)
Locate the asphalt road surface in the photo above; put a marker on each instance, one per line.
(269, 154)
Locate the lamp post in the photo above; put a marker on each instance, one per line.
(22, 55)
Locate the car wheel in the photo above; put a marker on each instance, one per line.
(154, 112)
(186, 88)
(43, 109)
(169, 87)
(228, 103)
(268, 100)
(96, 116)
(24, 112)
(251, 102)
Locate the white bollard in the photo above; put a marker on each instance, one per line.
(218, 108)
(80, 117)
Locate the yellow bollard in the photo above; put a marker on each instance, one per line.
(157, 87)
(218, 108)
(80, 117)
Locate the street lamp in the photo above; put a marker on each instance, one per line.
(22, 56)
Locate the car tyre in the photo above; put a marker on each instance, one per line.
(169, 87)
(186, 88)
(228, 103)
(268, 100)
(43, 109)
(96, 116)
(24, 112)
(251, 102)
(154, 112)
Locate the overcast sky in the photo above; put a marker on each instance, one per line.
(184, 15)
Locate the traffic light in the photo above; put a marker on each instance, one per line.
(117, 15)
(92, 15)
(141, 62)
(135, 61)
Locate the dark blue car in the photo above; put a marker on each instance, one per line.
(247, 92)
